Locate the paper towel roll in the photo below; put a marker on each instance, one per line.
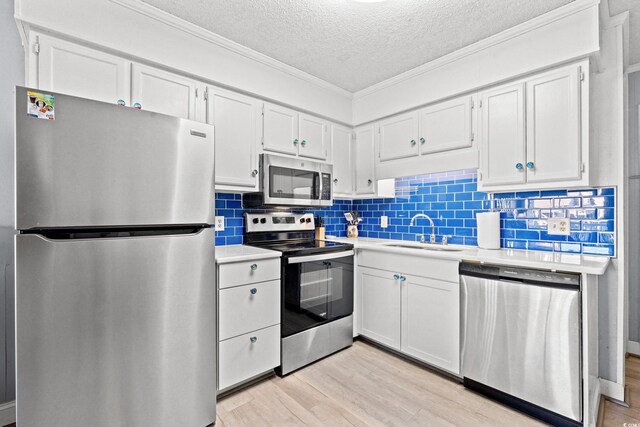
(488, 230)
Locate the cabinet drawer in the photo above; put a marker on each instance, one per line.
(246, 272)
(415, 265)
(246, 308)
(241, 359)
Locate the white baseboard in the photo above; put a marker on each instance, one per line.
(633, 347)
(612, 389)
(7, 413)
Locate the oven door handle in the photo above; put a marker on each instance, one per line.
(323, 257)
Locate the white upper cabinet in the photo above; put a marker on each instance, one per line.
(364, 160)
(280, 129)
(399, 137)
(313, 137)
(446, 126)
(534, 132)
(165, 92)
(431, 321)
(342, 161)
(379, 306)
(553, 126)
(77, 70)
(503, 136)
(287, 131)
(236, 121)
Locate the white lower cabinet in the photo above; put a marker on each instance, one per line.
(379, 308)
(248, 320)
(431, 321)
(247, 356)
(416, 315)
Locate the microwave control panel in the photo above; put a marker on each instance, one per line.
(326, 186)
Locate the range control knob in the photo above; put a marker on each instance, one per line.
(308, 220)
(301, 220)
(263, 220)
(256, 220)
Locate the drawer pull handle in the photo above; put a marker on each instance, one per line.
(253, 339)
(254, 291)
(254, 267)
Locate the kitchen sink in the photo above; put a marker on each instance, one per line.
(425, 247)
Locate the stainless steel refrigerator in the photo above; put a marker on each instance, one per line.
(115, 268)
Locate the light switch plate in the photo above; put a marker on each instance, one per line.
(384, 221)
(559, 226)
(219, 224)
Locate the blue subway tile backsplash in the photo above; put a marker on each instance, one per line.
(452, 200)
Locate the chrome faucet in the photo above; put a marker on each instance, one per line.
(432, 237)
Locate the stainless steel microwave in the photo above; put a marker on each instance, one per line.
(287, 182)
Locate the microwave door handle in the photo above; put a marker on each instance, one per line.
(317, 187)
(311, 258)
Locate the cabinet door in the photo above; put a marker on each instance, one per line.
(313, 137)
(76, 70)
(431, 321)
(502, 151)
(379, 312)
(342, 166)
(364, 160)
(235, 118)
(553, 126)
(280, 129)
(446, 126)
(399, 137)
(163, 92)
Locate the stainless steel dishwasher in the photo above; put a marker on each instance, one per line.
(521, 339)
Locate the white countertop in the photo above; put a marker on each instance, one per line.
(511, 257)
(235, 253)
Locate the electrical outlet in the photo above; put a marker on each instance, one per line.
(219, 224)
(558, 226)
(384, 221)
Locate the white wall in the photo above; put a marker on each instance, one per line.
(634, 208)
(11, 74)
(145, 36)
(536, 44)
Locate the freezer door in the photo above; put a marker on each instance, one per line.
(98, 164)
(523, 340)
(116, 331)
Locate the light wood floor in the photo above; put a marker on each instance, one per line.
(363, 386)
(617, 415)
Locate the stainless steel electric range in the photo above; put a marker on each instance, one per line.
(317, 286)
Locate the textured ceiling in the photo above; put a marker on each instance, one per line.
(351, 44)
(633, 6)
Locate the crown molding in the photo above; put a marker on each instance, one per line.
(525, 27)
(194, 30)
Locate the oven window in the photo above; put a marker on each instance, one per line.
(289, 183)
(316, 292)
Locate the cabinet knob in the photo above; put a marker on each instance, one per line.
(254, 172)
(369, 182)
(254, 267)
(402, 278)
(335, 181)
(137, 106)
(121, 102)
(422, 141)
(530, 165)
(303, 143)
(253, 291)
(295, 142)
(413, 142)
(519, 166)
(396, 276)
(253, 339)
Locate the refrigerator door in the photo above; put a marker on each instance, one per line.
(116, 331)
(100, 165)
